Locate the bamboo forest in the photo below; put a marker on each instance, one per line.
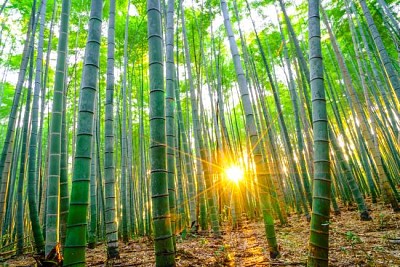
(200, 133)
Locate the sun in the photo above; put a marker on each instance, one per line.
(234, 173)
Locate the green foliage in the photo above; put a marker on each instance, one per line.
(6, 98)
(14, 62)
(23, 6)
(353, 238)
(184, 234)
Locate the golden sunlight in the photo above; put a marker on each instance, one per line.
(234, 173)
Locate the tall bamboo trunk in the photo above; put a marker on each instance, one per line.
(319, 234)
(75, 243)
(33, 145)
(53, 181)
(22, 168)
(169, 114)
(124, 141)
(109, 165)
(163, 236)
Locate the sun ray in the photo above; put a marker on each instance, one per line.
(234, 173)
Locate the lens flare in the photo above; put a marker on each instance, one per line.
(234, 173)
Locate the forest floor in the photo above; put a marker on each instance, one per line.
(352, 243)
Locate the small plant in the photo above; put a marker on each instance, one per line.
(203, 241)
(184, 234)
(220, 250)
(382, 221)
(354, 238)
(379, 248)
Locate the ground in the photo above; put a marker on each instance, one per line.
(352, 243)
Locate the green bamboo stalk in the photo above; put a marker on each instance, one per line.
(170, 109)
(300, 143)
(22, 168)
(186, 158)
(390, 72)
(75, 243)
(163, 240)
(124, 141)
(53, 183)
(64, 194)
(32, 167)
(109, 165)
(319, 235)
(92, 235)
